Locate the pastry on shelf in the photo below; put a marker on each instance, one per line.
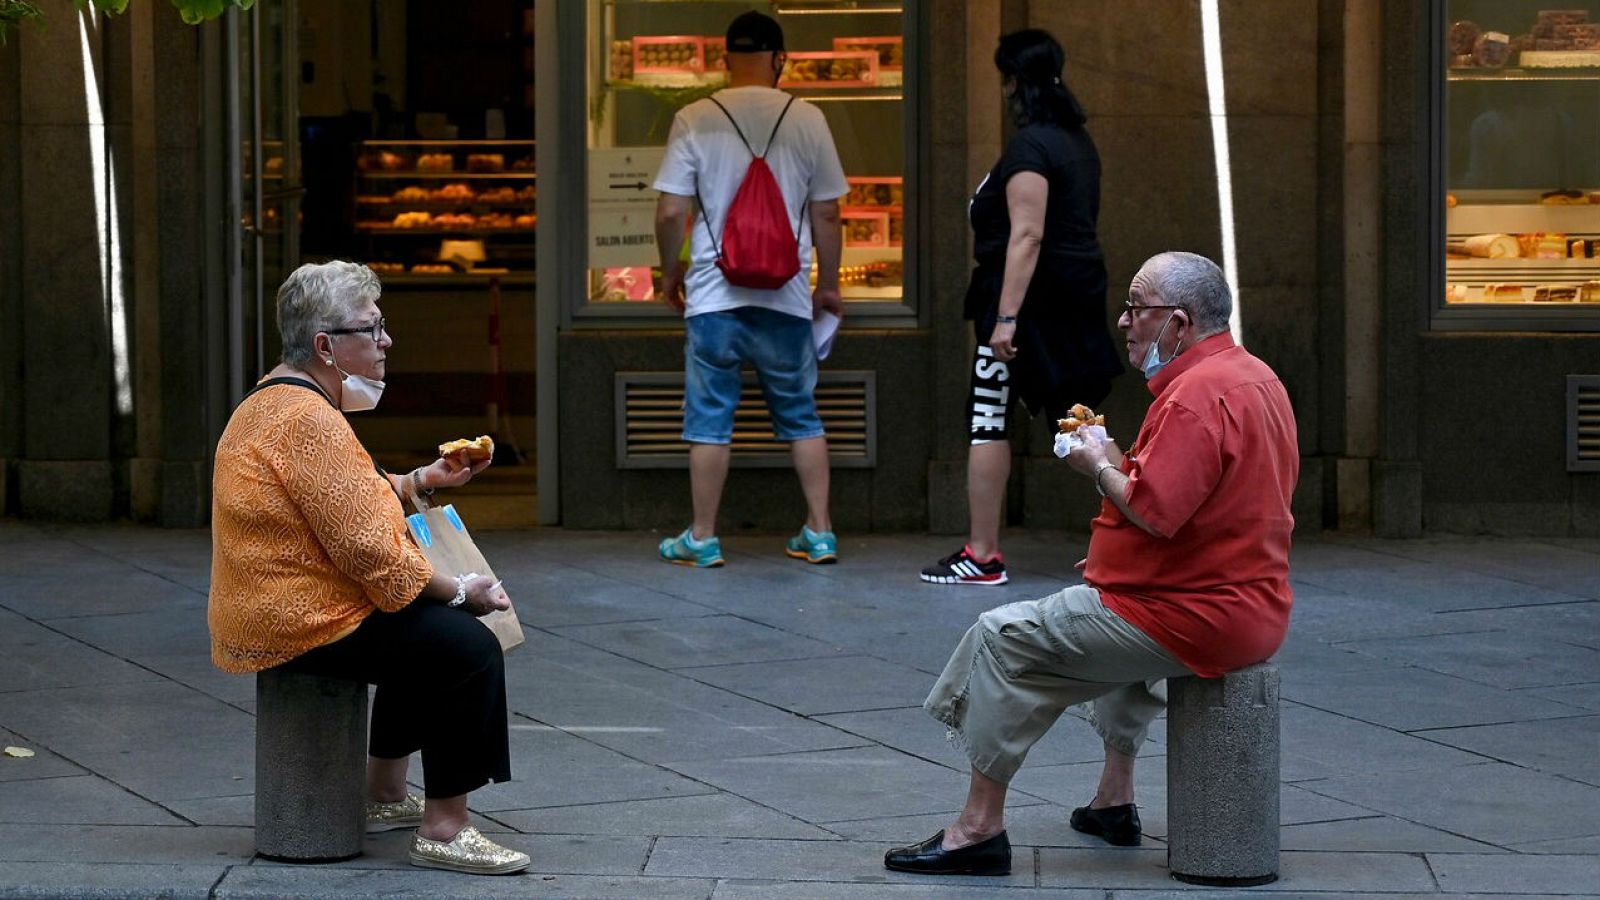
(621, 60)
(1563, 198)
(1463, 35)
(505, 194)
(453, 192)
(1555, 293)
(1502, 292)
(413, 220)
(411, 194)
(387, 268)
(380, 161)
(431, 269)
(525, 221)
(490, 221)
(436, 162)
(531, 193)
(486, 162)
(524, 164)
(1492, 50)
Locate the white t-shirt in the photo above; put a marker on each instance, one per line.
(703, 149)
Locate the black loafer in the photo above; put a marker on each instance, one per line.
(990, 857)
(1117, 825)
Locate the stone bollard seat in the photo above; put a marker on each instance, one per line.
(310, 767)
(1222, 777)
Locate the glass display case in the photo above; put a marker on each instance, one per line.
(432, 209)
(1522, 159)
(649, 58)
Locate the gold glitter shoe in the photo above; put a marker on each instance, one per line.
(468, 852)
(405, 813)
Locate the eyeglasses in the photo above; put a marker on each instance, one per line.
(376, 330)
(1129, 307)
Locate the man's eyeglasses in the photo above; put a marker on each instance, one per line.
(376, 330)
(1132, 309)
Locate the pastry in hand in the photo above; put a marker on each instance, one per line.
(1077, 417)
(477, 450)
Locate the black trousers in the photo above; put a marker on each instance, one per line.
(441, 689)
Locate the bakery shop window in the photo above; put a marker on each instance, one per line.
(1522, 168)
(649, 59)
(417, 126)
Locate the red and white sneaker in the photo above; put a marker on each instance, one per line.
(962, 567)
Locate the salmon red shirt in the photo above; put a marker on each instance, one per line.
(1213, 472)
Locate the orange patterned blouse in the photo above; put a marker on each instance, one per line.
(307, 539)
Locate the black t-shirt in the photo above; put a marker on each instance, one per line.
(1064, 346)
(1068, 161)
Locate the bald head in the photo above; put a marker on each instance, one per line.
(1194, 283)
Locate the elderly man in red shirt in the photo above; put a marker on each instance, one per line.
(1187, 573)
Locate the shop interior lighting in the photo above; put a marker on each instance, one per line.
(849, 98)
(1211, 37)
(833, 9)
(108, 235)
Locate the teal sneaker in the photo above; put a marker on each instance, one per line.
(813, 546)
(684, 550)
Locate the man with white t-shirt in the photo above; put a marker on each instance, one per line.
(728, 326)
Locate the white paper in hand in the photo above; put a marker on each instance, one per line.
(824, 325)
(1072, 440)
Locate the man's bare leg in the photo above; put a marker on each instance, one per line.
(982, 817)
(708, 471)
(811, 464)
(1116, 780)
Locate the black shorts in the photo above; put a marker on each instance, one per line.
(994, 391)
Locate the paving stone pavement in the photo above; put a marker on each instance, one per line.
(754, 731)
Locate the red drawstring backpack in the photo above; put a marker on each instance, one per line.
(759, 249)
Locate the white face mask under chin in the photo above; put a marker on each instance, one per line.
(1153, 363)
(357, 393)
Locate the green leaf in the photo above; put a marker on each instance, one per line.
(196, 11)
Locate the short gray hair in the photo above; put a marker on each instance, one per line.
(319, 296)
(1195, 283)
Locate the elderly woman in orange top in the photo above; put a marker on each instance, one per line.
(313, 571)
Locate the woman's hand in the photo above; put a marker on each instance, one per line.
(451, 471)
(484, 596)
(1000, 341)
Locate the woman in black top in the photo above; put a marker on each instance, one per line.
(1037, 299)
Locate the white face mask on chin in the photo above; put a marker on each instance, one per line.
(1153, 363)
(357, 393)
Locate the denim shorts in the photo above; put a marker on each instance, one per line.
(779, 346)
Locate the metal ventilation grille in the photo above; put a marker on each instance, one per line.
(649, 410)
(1583, 423)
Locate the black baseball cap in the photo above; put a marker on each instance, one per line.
(753, 32)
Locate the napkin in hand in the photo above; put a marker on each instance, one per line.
(824, 325)
(1066, 442)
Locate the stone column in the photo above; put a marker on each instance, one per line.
(66, 163)
(10, 272)
(1407, 167)
(187, 420)
(963, 130)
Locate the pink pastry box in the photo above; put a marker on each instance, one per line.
(865, 227)
(891, 55)
(670, 60)
(824, 69)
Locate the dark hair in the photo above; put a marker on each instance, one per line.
(1033, 59)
